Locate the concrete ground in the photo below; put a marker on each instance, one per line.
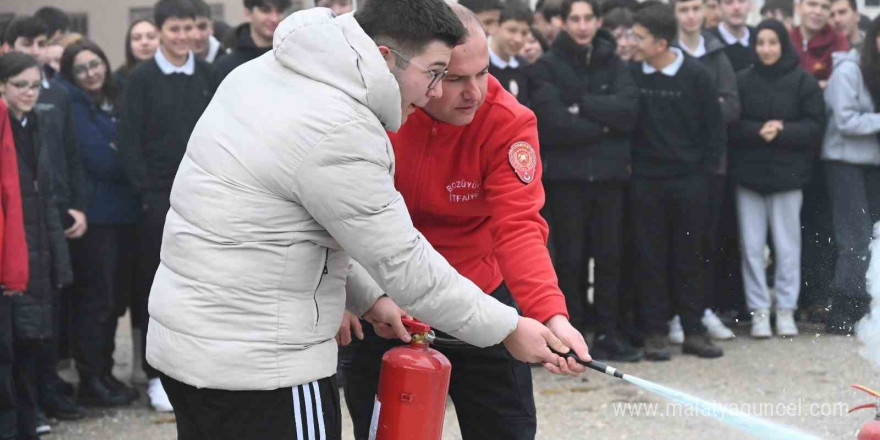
(803, 382)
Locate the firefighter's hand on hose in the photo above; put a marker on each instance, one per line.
(529, 342)
(573, 339)
(350, 323)
(385, 317)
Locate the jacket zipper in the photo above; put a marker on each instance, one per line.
(324, 272)
(423, 157)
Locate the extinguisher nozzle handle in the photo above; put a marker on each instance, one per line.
(593, 365)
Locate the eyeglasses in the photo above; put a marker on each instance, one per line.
(436, 77)
(24, 86)
(84, 69)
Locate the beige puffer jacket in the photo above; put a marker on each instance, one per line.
(286, 194)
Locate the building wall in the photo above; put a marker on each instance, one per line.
(108, 20)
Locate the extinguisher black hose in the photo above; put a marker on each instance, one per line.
(593, 365)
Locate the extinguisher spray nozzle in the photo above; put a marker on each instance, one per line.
(593, 365)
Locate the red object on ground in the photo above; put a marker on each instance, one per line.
(413, 384)
(871, 429)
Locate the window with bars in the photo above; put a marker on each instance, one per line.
(79, 22)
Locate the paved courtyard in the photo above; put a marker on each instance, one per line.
(803, 382)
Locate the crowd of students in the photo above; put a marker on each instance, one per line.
(673, 139)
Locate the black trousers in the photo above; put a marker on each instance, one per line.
(310, 411)
(491, 390)
(854, 191)
(18, 380)
(150, 229)
(106, 250)
(819, 250)
(669, 224)
(587, 221)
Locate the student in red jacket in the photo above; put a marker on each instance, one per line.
(469, 170)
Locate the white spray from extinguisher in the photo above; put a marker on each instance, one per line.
(756, 426)
(868, 329)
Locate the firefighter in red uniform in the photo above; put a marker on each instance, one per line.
(469, 170)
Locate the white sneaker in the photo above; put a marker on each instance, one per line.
(717, 329)
(761, 324)
(785, 325)
(158, 398)
(676, 332)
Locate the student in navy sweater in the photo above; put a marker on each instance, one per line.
(504, 47)
(163, 100)
(678, 144)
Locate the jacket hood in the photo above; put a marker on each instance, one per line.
(602, 49)
(840, 58)
(336, 51)
(713, 43)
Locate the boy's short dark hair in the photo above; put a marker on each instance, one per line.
(550, 9)
(279, 5)
(852, 4)
(630, 5)
(660, 22)
(567, 5)
(166, 9)
(55, 19)
(517, 11)
(25, 26)
(617, 17)
(202, 9)
(478, 6)
(410, 25)
(675, 2)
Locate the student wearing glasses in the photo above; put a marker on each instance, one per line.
(48, 259)
(478, 204)
(284, 214)
(110, 246)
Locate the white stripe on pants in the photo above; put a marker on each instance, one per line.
(781, 212)
(308, 411)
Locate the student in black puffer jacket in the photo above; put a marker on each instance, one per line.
(773, 147)
(586, 103)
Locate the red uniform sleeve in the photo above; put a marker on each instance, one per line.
(518, 231)
(13, 247)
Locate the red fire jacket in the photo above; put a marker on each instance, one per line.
(13, 248)
(475, 193)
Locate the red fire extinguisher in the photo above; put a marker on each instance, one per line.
(871, 429)
(413, 385)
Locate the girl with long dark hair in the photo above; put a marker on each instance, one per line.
(104, 258)
(141, 43)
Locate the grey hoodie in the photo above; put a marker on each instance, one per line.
(285, 199)
(853, 121)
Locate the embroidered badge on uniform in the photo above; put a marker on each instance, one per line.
(524, 161)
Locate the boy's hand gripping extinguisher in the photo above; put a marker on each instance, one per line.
(871, 429)
(413, 384)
